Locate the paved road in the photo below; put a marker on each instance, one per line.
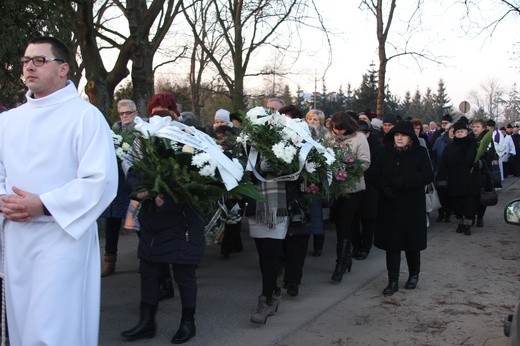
(228, 289)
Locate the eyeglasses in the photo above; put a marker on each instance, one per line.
(38, 60)
(125, 113)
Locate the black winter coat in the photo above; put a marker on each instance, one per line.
(400, 177)
(173, 233)
(456, 168)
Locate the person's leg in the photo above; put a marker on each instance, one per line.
(368, 226)
(268, 252)
(413, 259)
(317, 227)
(151, 276)
(296, 254)
(357, 240)
(346, 208)
(184, 275)
(393, 263)
(113, 226)
(232, 241)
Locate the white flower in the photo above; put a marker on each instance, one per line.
(209, 169)
(284, 153)
(117, 139)
(120, 153)
(200, 160)
(297, 140)
(153, 125)
(126, 147)
(310, 167)
(256, 112)
(188, 149)
(175, 145)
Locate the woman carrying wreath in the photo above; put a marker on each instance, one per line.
(171, 233)
(345, 133)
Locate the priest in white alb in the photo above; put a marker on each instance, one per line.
(58, 173)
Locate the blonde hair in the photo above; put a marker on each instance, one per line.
(316, 113)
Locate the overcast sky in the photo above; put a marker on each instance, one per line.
(468, 59)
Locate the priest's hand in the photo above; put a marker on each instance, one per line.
(21, 207)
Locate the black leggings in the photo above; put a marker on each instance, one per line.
(268, 252)
(393, 263)
(345, 210)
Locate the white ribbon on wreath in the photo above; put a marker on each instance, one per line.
(164, 127)
(308, 144)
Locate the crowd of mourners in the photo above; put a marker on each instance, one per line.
(386, 207)
(59, 173)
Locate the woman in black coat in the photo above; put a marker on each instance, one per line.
(461, 174)
(170, 233)
(400, 174)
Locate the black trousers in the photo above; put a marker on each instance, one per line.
(152, 275)
(268, 252)
(113, 226)
(363, 229)
(295, 255)
(232, 240)
(393, 263)
(346, 208)
(445, 200)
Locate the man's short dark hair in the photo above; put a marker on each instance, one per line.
(59, 49)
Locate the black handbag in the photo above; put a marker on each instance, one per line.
(488, 194)
(488, 197)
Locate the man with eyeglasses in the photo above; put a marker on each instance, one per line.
(58, 172)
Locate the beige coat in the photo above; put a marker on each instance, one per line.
(359, 146)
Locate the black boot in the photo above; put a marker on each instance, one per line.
(319, 240)
(167, 290)
(411, 283)
(466, 229)
(393, 283)
(392, 287)
(187, 328)
(145, 328)
(343, 260)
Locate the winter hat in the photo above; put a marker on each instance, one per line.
(447, 117)
(490, 122)
(189, 118)
(509, 126)
(377, 123)
(390, 118)
(223, 115)
(460, 125)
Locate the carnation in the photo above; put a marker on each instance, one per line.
(284, 153)
(126, 147)
(310, 167)
(200, 159)
(341, 175)
(188, 149)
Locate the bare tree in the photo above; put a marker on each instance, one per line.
(489, 98)
(384, 20)
(101, 26)
(242, 27)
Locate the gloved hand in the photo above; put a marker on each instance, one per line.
(388, 193)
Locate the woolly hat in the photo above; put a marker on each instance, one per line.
(223, 115)
(460, 125)
(189, 118)
(490, 122)
(509, 126)
(390, 118)
(377, 123)
(447, 117)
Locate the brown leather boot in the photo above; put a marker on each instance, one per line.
(109, 266)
